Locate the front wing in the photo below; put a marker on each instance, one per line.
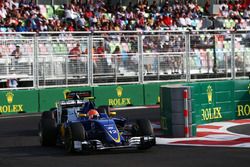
(133, 142)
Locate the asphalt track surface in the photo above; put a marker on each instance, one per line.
(241, 129)
(19, 147)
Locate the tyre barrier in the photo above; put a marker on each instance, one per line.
(176, 112)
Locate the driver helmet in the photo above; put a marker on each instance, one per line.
(92, 114)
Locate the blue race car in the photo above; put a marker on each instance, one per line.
(78, 125)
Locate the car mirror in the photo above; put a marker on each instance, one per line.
(82, 115)
(112, 113)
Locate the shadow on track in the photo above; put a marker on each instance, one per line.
(58, 151)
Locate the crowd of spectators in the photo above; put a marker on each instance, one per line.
(102, 15)
(26, 16)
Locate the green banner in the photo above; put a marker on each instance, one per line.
(18, 101)
(213, 101)
(152, 92)
(242, 99)
(119, 95)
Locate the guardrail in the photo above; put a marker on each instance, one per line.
(123, 57)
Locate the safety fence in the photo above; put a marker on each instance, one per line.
(47, 59)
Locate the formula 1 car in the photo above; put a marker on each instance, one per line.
(78, 125)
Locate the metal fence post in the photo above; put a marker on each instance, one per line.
(66, 69)
(233, 55)
(187, 58)
(43, 71)
(141, 61)
(158, 66)
(90, 60)
(244, 63)
(35, 62)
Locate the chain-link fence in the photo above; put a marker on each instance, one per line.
(94, 58)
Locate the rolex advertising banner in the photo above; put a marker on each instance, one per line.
(213, 101)
(119, 95)
(18, 101)
(49, 97)
(242, 99)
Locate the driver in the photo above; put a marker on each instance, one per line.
(93, 114)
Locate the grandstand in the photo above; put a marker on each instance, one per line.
(161, 40)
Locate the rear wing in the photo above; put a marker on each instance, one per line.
(71, 103)
(76, 99)
(78, 95)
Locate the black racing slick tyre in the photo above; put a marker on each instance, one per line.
(143, 127)
(47, 132)
(48, 115)
(75, 132)
(103, 109)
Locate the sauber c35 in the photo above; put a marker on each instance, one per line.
(78, 125)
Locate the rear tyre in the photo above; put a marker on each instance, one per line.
(48, 115)
(103, 109)
(47, 132)
(75, 132)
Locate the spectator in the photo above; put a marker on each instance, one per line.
(101, 60)
(207, 7)
(74, 57)
(239, 62)
(223, 4)
(3, 12)
(224, 12)
(44, 26)
(100, 16)
(116, 59)
(12, 83)
(70, 26)
(70, 13)
(16, 54)
(153, 7)
(20, 27)
(182, 20)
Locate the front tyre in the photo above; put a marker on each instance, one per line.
(75, 132)
(143, 127)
